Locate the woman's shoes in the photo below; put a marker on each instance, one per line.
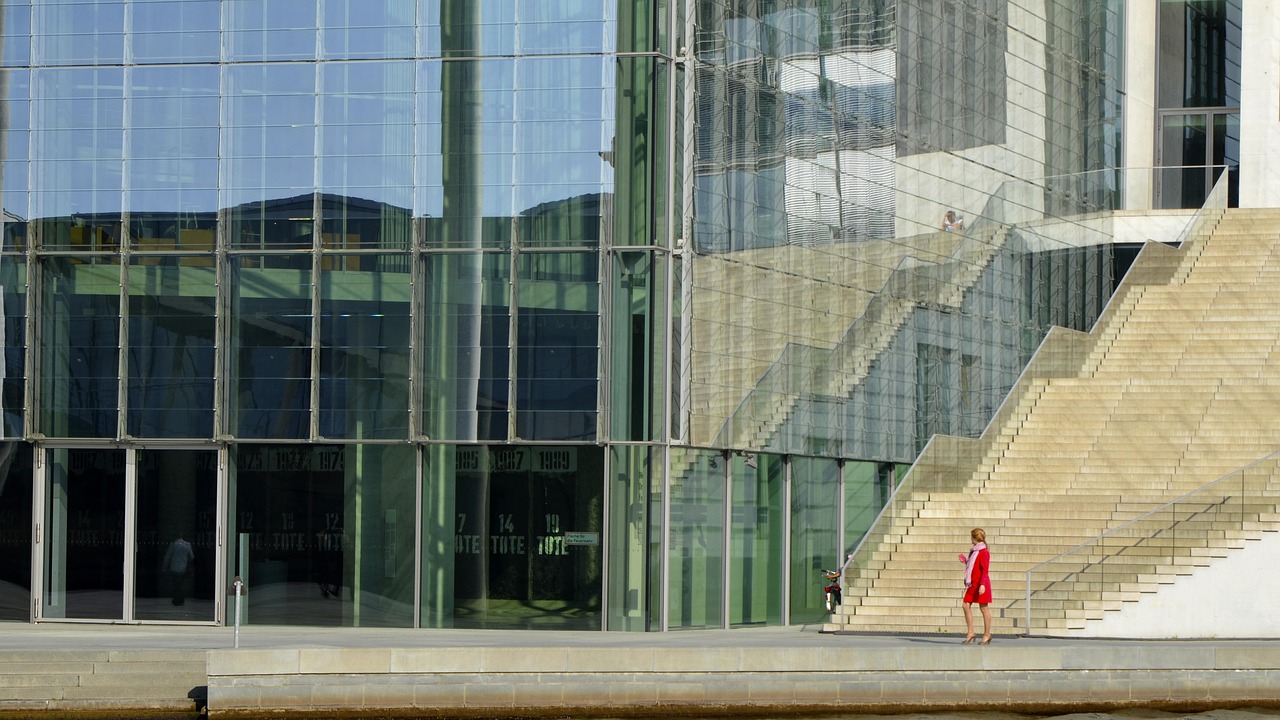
(968, 639)
(986, 640)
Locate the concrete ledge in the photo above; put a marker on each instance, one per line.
(535, 680)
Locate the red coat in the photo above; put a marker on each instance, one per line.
(981, 579)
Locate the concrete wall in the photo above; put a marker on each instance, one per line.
(840, 676)
(1233, 598)
(1260, 105)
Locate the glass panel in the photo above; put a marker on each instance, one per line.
(1226, 151)
(1199, 53)
(814, 536)
(527, 551)
(174, 31)
(863, 497)
(268, 148)
(640, 25)
(15, 531)
(366, 153)
(364, 346)
(568, 26)
(638, 151)
(633, 568)
(270, 29)
(462, 28)
(80, 347)
(562, 110)
(352, 223)
(13, 336)
(633, 364)
(14, 163)
(1184, 150)
(324, 534)
(77, 151)
(270, 348)
(171, 171)
(557, 346)
(15, 26)
(467, 375)
(367, 29)
(176, 546)
(465, 156)
(172, 334)
(439, 532)
(696, 555)
(756, 542)
(84, 534)
(74, 32)
(458, 27)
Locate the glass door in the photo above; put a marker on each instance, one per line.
(129, 535)
(175, 547)
(83, 534)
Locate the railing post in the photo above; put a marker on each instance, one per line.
(1027, 632)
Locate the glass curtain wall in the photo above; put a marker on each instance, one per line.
(854, 285)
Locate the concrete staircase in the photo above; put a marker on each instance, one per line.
(1177, 386)
(140, 683)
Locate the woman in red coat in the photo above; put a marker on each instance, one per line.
(977, 584)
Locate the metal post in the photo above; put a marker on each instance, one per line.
(239, 586)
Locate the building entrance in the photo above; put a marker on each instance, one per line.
(128, 535)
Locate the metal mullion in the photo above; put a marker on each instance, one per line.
(605, 525)
(726, 543)
(220, 525)
(222, 328)
(417, 315)
(513, 336)
(664, 570)
(38, 524)
(317, 256)
(787, 464)
(129, 561)
(841, 546)
(125, 254)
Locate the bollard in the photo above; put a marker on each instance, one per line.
(239, 586)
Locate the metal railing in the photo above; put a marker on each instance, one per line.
(947, 463)
(1165, 540)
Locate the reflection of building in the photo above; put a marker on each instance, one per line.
(578, 318)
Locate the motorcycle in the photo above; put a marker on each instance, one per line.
(832, 589)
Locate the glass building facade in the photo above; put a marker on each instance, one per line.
(619, 315)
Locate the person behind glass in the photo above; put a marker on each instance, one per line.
(178, 558)
(977, 583)
(952, 222)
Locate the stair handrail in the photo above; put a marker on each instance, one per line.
(1002, 211)
(1272, 458)
(1060, 353)
(1208, 213)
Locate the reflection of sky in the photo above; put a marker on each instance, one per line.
(194, 137)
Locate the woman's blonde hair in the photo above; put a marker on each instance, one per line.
(978, 534)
